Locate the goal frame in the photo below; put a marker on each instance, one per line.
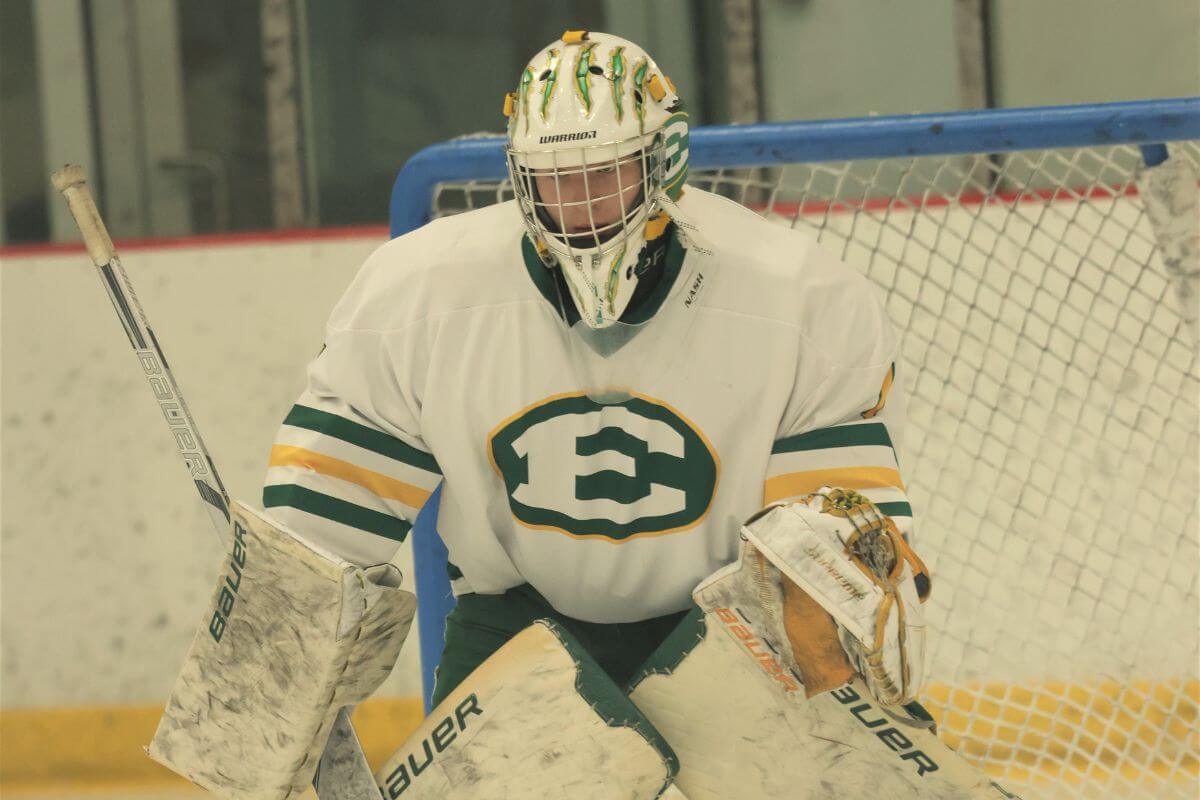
(1149, 124)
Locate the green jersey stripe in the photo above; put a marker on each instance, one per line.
(335, 510)
(895, 509)
(838, 436)
(367, 438)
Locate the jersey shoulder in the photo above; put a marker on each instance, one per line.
(782, 274)
(450, 264)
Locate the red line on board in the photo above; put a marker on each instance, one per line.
(207, 240)
(811, 207)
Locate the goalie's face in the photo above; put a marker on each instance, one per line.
(588, 206)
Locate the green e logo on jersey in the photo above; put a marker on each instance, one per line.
(616, 472)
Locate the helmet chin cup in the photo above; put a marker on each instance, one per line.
(620, 360)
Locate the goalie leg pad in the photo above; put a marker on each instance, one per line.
(537, 719)
(721, 693)
(294, 635)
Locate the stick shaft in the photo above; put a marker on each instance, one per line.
(347, 764)
(72, 182)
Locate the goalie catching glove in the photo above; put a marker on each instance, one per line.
(755, 690)
(835, 550)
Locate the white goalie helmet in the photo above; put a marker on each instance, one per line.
(597, 146)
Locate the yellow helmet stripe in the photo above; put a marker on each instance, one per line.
(657, 90)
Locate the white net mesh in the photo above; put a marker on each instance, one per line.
(1052, 451)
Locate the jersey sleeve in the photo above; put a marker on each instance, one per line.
(847, 414)
(348, 468)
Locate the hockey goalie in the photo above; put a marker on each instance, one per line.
(608, 376)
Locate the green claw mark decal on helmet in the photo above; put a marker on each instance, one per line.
(640, 69)
(616, 74)
(583, 73)
(614, 276)
(523, 94)
(550, 79)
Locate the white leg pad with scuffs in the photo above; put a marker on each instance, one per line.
(539, 719)
(293, 635)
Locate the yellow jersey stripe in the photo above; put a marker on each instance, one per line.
(797, 483)
(381, 485)
(883, 393)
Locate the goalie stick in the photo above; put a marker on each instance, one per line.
(343, 773)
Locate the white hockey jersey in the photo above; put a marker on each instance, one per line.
(446, 361)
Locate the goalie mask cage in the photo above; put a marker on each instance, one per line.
(1041, 266)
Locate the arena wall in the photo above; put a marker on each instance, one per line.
(107, 560)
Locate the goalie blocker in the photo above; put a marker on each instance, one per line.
(293, 634)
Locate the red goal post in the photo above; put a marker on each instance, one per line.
(1043, 268)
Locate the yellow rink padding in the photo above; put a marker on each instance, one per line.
(1073, 732)
(1027, 733)
(77, 749)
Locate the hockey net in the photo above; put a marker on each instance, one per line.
(1049, 350)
